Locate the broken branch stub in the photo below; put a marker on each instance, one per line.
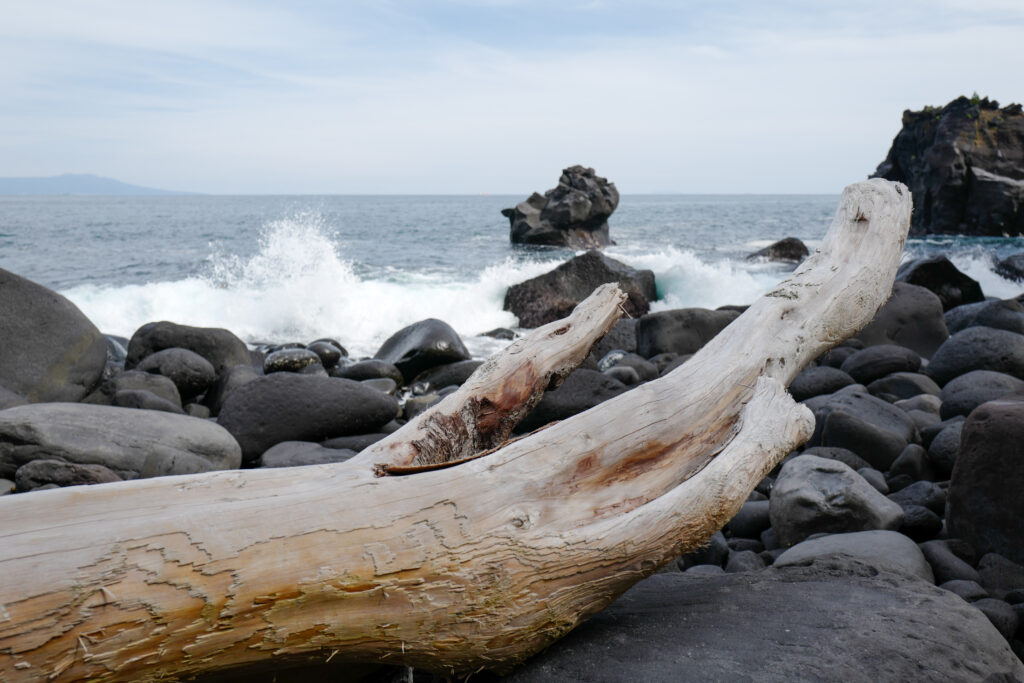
(472, 566)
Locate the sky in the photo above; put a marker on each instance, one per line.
(492, 96)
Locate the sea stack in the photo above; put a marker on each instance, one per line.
(573, 214)
(964, 164)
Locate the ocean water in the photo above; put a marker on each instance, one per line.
(358, 268)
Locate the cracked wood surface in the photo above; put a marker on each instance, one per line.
(477, 565)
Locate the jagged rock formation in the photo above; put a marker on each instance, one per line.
(964, 164)
(573, 214)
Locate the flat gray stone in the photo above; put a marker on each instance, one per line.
(883, 550)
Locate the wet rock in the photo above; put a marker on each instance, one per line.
(978, 348)
(446, 375)
(817, 380)
(38, 473)
(51, 351)
(875, 362)
(682, 330)
(291, 360)
(912, 317)
(814, 495)
(985, 501)
(385, 385)
(132, 443)
(786, 250)
(191, 373)
(572, 214)
(553, 295)
(963, 394)
(328, 351)
(218, 346)
(581, 390)
(938, 274)
(1011, 267)
(286, 406)
(416, 405)
(812, 623)
(422, 346)
(368, 369)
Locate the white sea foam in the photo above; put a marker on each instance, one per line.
(298, 287)
(979, 267)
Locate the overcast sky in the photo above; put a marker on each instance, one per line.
(434, 96)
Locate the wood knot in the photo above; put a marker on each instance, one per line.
(562, 330)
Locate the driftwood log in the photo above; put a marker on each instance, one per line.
(439, 547)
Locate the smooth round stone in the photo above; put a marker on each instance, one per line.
(219, 346)
(963, 394)
(876, 362)
(743, 561)
(912, 317)
(383, 384)
(38, 473)
(817, 380)
(368, 369)
(290, 360)
(328, 352)
(144, 400)
(978, 348)
(904, 385)
(920, 523)
(421, 346)
(883, 550)
(1001, 614)
(968, 590)
(946, 564)
(191, 373)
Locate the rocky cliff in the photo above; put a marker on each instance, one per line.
(572, 214)
(964, 163)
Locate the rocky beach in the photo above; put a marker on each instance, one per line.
(890, 546)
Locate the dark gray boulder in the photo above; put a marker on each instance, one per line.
(715, 552)
(751, 520)
(581, 390)
(1011, 267)
(978, 348)
(144, 400)
(875, 362)
(218, 346)
(944, 448)
(1005, 314)
(132, 443)
(227, 382)
(946, 564)
(835, 619)
(355, 443)
(912, 317)
(786, 250)
(817, 380)
(884, 550)
(681, 330)
(813, 495)
(329, 351)
(38, 473)
(191, 373)
(291, 360)
(51, 351)
(964, 165)
(368, 369)
(927, 494)
(843, 455)
(938, 274)
(904, 385)
(999, 575)
(555, 294)
(963, 394)
(301, 453)
(446, 375)
(985, 502)
(572, 214)
(135, 380)
(421, 346)
(622, 337)
(286, 406)
(870, 427)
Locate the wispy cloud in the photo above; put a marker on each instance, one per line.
(459, 96)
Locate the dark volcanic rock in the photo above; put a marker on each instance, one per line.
(836, 619)
(220, 347)
(554, 294)
(132, 443)
(968, 391)
(286, 406)
(978, 348)
(788, 249)
(985, 502)
(144, 400)
(38, 473)
(368, 369)
(1007, 314)
(681, 330)
(51, 351)
(135, 380)
(573, 214)
(912, 317)
(622, 337)
(421, 346)
(291, 360)
(191, 373)
(446, 375)
(870, 427)
(883, 550)
(813, 495)
(876, 362)
(1011, 267)
(301, 453)
(229, 380)
(938, 274)
(817, 380)
(581, 390)
(904, 385)
(964, 164)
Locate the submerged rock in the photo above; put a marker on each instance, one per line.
(573, 214)
(787, 250)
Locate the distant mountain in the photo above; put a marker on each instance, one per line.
(75, 183)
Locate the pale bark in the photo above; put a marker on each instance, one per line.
(473, 565)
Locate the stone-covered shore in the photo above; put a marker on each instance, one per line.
(890, 547)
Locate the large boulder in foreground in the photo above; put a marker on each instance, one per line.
(421, 346)
(573, 214)
(51, 351)
(133, 443)
(985, 504)
(553, 295)
(964, 164)
(218, 346)
(285, 406)
(833, 620)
